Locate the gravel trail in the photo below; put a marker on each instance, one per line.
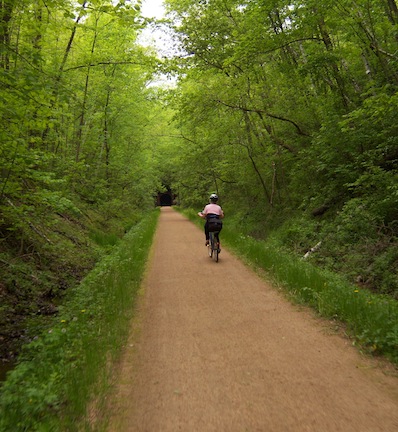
(214, 348)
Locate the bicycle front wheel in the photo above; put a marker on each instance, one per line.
(215, 245)
(215, 253)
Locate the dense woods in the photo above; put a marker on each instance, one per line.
(288, 110)
(77, 149)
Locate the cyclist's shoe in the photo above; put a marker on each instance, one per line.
(207, 243)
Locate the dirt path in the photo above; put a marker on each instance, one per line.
(216, 349)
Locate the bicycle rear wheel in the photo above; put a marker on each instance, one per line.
(215, 245)
(210, 245)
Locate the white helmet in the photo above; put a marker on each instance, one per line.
(213, 198)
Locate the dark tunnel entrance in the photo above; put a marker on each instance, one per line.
(165, 198)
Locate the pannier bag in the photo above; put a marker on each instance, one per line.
(214, 225)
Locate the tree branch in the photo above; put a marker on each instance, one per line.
(316, 39)
(103, 63)
(299, 131)
(387, 54)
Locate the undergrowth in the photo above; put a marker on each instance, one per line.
(371, 319)
(66, 368)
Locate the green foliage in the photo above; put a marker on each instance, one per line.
(73, 116)
(42, 257)
(62, 371)
(297, 235)
(291, 117)
(76, 153)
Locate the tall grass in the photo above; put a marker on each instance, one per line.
(104, 239)
(372, 320)
(63, 371)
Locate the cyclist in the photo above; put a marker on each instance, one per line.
(211, 211)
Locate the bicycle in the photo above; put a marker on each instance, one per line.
(213, 248)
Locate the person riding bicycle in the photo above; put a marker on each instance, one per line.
(212, 211)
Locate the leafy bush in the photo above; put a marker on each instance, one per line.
(298, 235)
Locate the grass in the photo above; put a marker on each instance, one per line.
(104, 239)
(371, 319)
(64, 370)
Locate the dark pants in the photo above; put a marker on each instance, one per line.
(207, 232)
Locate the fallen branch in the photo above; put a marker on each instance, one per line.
(312, 250)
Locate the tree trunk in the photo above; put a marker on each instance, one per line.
(6, 8)
(392, 11)
(335, 69)
(79, 137)
(106, 136)
(250, 154)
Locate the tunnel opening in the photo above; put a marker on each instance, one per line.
(165, 198)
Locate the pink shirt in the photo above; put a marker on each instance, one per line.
(213, 209)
